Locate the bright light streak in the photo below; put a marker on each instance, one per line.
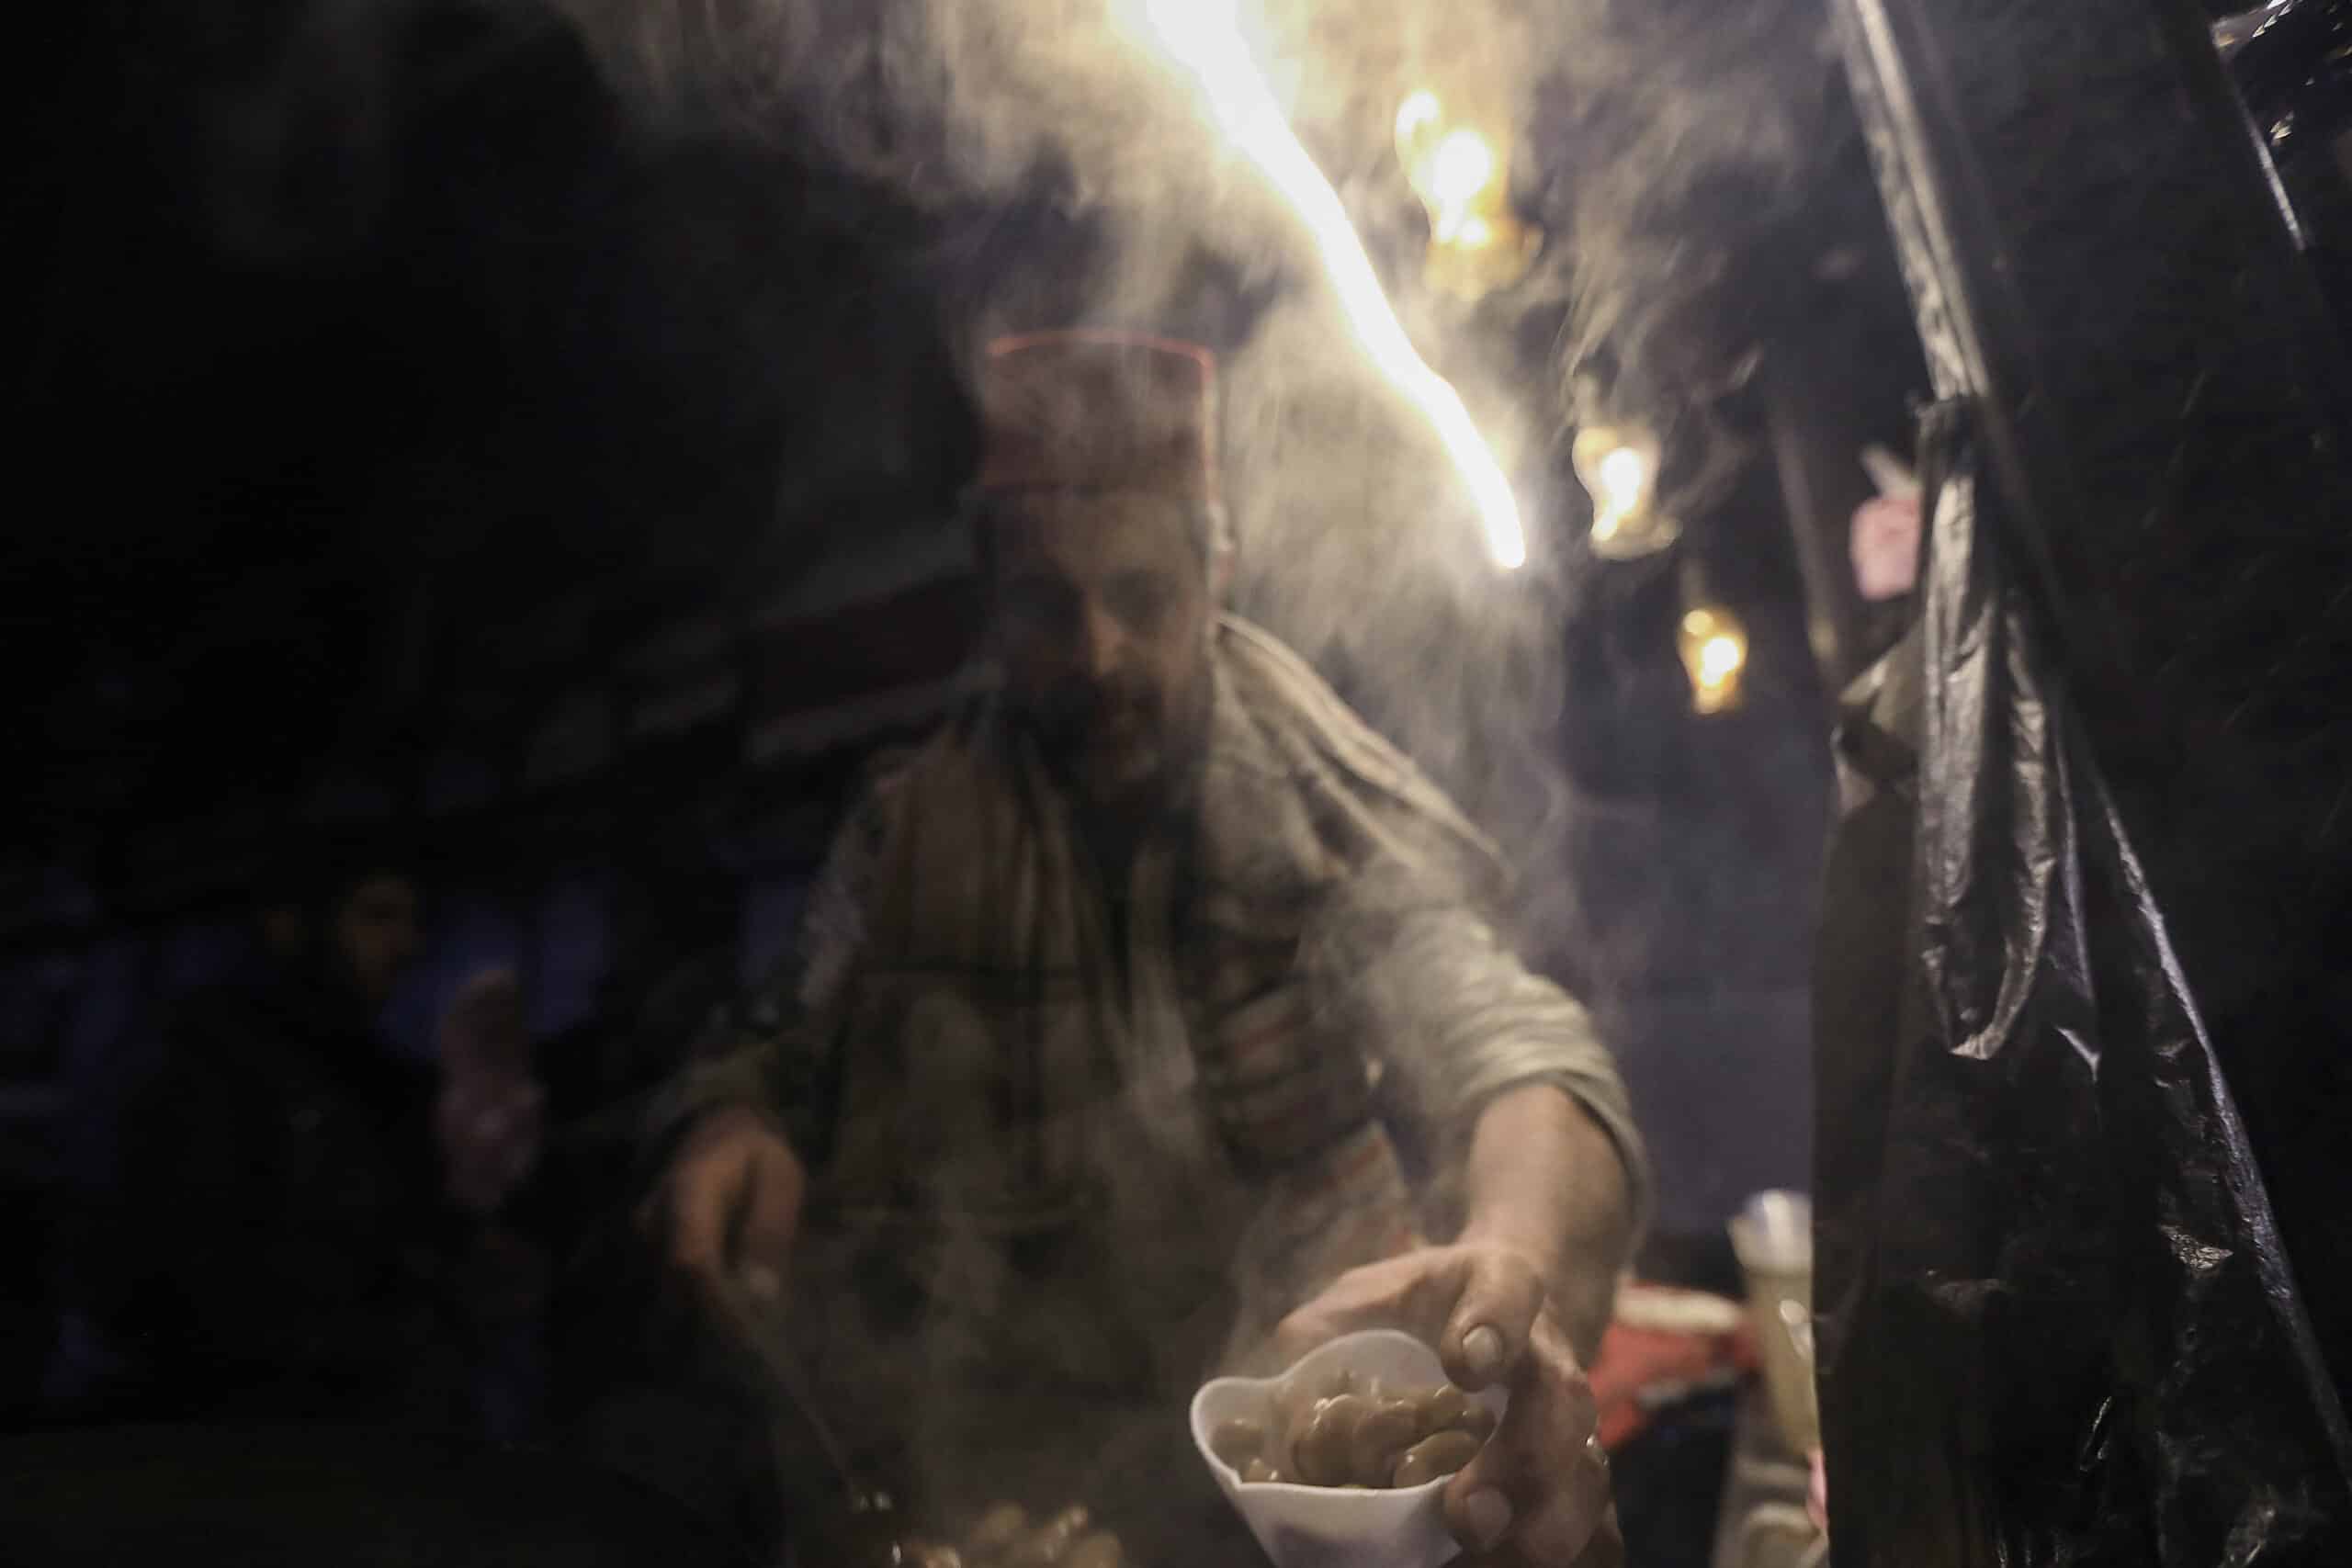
(1719, 657)
(1204, 38)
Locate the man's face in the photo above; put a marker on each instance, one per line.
(376, 934)
(1102, 612)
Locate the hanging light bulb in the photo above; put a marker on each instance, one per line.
(1618, 466)
(1456, 163)
(1713, 645)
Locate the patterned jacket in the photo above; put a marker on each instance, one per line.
(1173, 1145)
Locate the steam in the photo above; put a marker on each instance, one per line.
(1069, 176)
(1061, 171)
(1681, 154)
(1072, 177)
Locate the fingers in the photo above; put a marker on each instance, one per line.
(1537, 1494)
(1495, 1301)
(734, 1202)
(1563, 1525)
(1476, 1305)
(1378, 1295)
(1551, 1519)
(1540, 1485)
(770, 1219)
(705, 1189)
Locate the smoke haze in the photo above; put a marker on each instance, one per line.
(1071, 176)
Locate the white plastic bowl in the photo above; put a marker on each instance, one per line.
(1322, 1527)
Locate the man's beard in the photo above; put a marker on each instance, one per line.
(1118, 748)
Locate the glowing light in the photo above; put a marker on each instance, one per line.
(1460, 168)
(1618, 466)
(1204, 38)
(1416, 114)
(1625, 481)
(1714, 646)
(1454, 164)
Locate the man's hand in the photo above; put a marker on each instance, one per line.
(1538, 1493)
(732, 1202)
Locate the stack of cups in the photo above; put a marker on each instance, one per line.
(1772, 1234)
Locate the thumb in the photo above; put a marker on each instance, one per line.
(1493, 1314)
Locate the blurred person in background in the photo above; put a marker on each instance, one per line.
(666, 996)
(1078, 1095)
(489, 1125)
(273, 1242)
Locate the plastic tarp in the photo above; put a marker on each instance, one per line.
(2057, 1325)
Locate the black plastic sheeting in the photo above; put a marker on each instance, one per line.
(2057, 1324)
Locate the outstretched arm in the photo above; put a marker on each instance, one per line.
(1532, 1119)
(1543, 1182)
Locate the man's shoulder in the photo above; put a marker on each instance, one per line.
(1290, 699)
(944, 772)
(1333, 753)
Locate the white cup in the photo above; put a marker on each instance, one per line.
(1772, 1234)
(1323, 1527)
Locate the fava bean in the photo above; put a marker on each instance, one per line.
(1444, 1405)
(1322, 1454)
(1382, 1434)
(1441, 1453)
(1354, 1433)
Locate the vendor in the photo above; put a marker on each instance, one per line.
(1122, 996)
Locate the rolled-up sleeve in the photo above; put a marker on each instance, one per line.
(1443, 1004)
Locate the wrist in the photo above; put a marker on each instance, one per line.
(1507, 1232)
(1547, 1183)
